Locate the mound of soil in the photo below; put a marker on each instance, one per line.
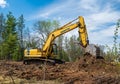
(86, 70)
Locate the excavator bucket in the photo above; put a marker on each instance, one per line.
(94, 50)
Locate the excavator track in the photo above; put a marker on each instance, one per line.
(42, 61)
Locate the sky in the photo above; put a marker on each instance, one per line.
(100, 16)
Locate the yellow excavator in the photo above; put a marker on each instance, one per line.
(47, 52)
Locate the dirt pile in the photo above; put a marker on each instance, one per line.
(90, 63)
(86, 70)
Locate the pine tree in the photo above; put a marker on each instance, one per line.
(21, 26)
(10, 38)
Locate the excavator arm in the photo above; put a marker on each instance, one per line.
(66, 28)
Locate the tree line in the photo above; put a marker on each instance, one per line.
(15, 37)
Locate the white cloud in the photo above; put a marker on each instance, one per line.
(51, 10)
(98, 16)
(3, 3)
(67, 8)
(104, 36)
(89, 5)
(97, 20)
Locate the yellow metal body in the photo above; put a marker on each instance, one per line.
(46, 50)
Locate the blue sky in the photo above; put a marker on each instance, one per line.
(100, 15)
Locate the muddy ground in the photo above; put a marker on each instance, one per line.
(86, 70)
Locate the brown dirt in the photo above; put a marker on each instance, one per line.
(86, 70)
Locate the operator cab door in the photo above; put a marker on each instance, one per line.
(54, 49)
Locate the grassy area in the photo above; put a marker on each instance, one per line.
(14, 80)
